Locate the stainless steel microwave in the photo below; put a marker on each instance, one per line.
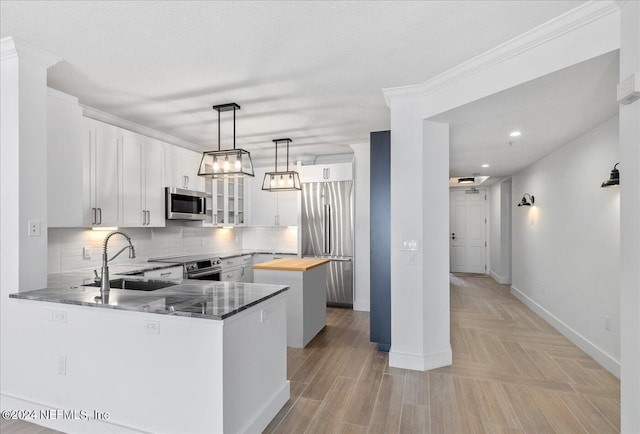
(184, 204)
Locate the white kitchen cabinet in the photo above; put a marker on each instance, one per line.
(181, 168)
(225, 201)
(326, 172)
(101, 155)
(166, 273)
(65, 143)
(232, 275)
(272, 208)
(142, 182)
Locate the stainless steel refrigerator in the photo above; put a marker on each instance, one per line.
(327, 232)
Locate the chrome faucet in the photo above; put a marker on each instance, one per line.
(104, 280)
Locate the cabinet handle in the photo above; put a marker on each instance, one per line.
(166, 274)
(100, 214)
(328, 173)
(93, 222)
(144, 217)
(187, 182)
(148, 218)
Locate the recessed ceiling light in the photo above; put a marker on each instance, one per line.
(485, 165)
(515, 134)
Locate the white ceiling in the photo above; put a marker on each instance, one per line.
(312, 71)
(549, 112)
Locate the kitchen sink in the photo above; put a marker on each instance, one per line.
(136, 285)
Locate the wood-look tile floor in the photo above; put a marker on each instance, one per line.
(511, 373)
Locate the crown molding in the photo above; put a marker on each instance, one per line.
(11, 48)
(110, 119)
(552, 29)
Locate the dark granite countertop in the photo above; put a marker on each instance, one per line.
(187, 298)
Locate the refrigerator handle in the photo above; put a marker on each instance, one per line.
(329, 249)
(325, 229)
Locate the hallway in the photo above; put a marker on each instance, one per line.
(511, 372)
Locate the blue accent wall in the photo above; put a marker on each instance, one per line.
(380, 239)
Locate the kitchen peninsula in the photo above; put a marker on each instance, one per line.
(307, 296)
(193, 356)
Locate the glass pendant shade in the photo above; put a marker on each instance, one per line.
(231, 163)
(614, 178)
(227, 163)
(287, 180)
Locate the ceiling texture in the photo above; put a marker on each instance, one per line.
(309, 70)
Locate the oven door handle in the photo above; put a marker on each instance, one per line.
(204, 273)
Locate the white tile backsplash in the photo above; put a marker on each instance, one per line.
(65, 250)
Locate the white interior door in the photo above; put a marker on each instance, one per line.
(468, 232)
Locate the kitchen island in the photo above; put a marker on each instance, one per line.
(196, 356)
(306, 298)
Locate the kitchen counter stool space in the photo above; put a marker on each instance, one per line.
(307, 295)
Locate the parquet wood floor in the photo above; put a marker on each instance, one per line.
(511, 373)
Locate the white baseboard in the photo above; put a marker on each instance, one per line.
(498, 278)
(609, 363)
(364, 306)
(269, 410)
(43, 416)
(419, 362)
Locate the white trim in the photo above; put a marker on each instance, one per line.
(110, 119)
(363, 306)
(10, 48)
(90, 425)
(609, 363)
(565, 23)
(498, 278)
(419, 362)
(269, 410)
(62, 96)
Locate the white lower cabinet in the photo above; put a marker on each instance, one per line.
(237, 269)
(166, 273)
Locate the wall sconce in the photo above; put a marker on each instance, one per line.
(614, 178)
(525, 202)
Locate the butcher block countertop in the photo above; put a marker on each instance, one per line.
(291, 264)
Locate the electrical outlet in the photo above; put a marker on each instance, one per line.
(34, 228)
(62, 365)
(86, 252)
(410, 258)
(264, 315)
(152, 327)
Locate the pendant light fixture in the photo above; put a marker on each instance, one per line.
(614, 178)
(288, 180)
(228, 163)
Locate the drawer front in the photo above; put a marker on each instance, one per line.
(171, 273)
(230, 275)
(233, 262)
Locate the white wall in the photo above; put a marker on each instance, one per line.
(362, 226)
(630, 230)
(566, 248)
(500, 231)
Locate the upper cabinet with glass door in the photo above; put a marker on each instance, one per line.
(225, 201)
